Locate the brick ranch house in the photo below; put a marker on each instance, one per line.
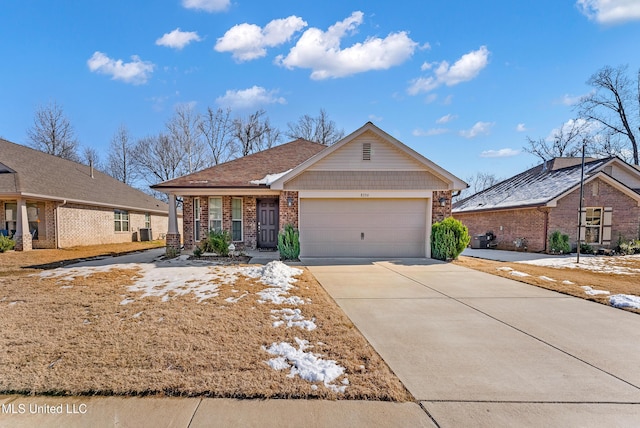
(537, 202)
(50, 202)
(367, 195)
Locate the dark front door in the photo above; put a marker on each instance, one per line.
(268, 223)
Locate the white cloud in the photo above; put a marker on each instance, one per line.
(249, 98)
(248, 41)
(320, 51)
(447, 118)
(178, 39)
(136, 72)
(502, 153)
(521, 128)
(464, 69)
(429, 132)
(480, 128)
(610, 11)
(207, 5)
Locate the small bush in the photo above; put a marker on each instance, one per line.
(586, 249)
(449, 238)
(217, 242)
(197, 252)
(6, 243)
(628, 248)
(559, 243)
(289, 243)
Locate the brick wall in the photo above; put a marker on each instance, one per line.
(440, 212)
(288, 214)
(249, 220)
(625, 217)
(508, 226)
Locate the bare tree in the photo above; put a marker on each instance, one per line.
(566, 140)
(319, 129)
(614, 105)
(217, 130)
(91, 157)
(251, 132)
(184, 132)
(477, 183)
(157, 159)
(120, 160)
(52, 133)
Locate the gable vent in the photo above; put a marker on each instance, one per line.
(366, 151)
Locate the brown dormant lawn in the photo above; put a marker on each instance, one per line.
(217, 334)
(571, 281)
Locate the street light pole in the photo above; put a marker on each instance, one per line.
(584, 143)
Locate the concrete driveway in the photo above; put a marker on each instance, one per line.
(480, 350)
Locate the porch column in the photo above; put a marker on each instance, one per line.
(23, 235)
(173, 235)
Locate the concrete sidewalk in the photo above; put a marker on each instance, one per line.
(135, 412)
(481, 350)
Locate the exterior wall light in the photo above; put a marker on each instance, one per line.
(289, 201)
(443, 201)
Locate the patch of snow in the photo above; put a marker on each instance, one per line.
(505, 269)
(236, 299)
(127, 301)
(567, 282)
(292, 318)
(270, 178)
(606, 264)
(519, 274)
(624, 301)
(67, 286)
(137, 315)
(591, 292)
(280, 277)
(307, 365)
(546, 278)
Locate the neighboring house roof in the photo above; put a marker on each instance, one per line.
(33, 174)
(239, 173)
(541, 185)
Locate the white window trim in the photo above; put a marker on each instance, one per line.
(121, 221)
(196, 219)
(233, 220)
(211, 219)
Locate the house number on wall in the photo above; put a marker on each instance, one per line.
(364, 195)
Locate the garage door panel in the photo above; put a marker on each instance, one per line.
(363, 228)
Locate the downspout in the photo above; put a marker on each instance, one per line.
(57, 220)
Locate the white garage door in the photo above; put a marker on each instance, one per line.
(363, 227)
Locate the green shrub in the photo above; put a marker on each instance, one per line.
(289, 243)
(197, 252)
(628, 248)
(449, 238)
(217, 242)
(6, 243)
(559, 243)
(586, 249)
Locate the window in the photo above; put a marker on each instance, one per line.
(147, 221)
(11, 217)
(121, 221)
(593, 225)
(236, 219)
(196, 219)
(215, 214)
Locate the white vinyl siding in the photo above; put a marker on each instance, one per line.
(236, 219)
(363, 227)
(196, 219)
(215, 214)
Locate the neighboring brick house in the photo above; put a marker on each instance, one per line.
(534, 204)
(367, 195)
(50, 202)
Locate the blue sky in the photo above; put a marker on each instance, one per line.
(462, 82)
